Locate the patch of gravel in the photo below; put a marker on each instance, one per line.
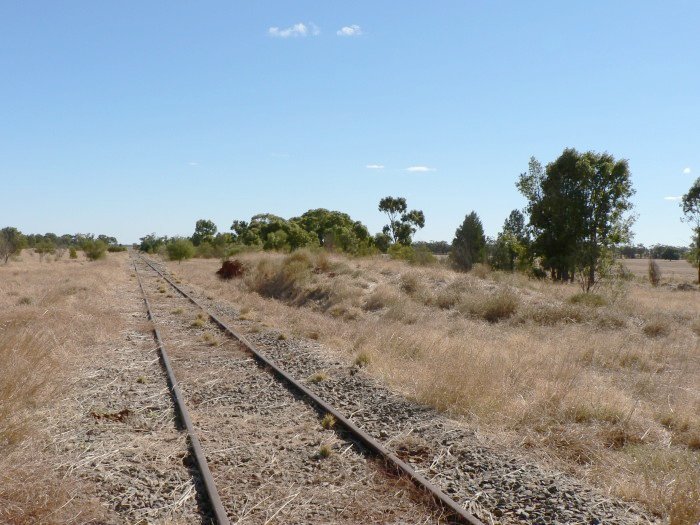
(492, 484)
(118, 431)
(265, 447)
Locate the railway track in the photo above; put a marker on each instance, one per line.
(222, 369)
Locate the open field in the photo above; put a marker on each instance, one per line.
(603, 386)
(671, 271)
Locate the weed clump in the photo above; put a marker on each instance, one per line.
(318, 377)
(325, 451)
(362, 359)
(657, 327)
(328, 422)
(493, 308)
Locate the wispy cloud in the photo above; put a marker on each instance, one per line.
(419, 169)
(193, 163)
(351, 30)
(375, 166)
(686, 171)
(280, 155)
(296, 30)
(672, 198)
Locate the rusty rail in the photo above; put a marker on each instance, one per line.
(459, 514)
(209, 485)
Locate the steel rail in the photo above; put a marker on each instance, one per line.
(212, 494)
(392, 460)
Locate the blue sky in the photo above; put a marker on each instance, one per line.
(132, 117)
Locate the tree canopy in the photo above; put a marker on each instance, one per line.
(402, 223)
(469, 243)
(577, 210)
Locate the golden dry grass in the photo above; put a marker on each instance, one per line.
(49, 312)
(604, 388)
(673, 271)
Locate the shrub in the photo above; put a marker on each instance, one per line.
(115, 248)
(44, 247)
(206, 251)
(657, 327)
(654, 273)
(72, 252)
(180, 249)
(94, 250)
(381, 296)
(230, 269)
(588, 299)
(410, 283)
(493, 308)
(422, 256)
(283, 280)
(482, 271)
(400, 252)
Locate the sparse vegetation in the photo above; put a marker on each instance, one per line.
(574, 375)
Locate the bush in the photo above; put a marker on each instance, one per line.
(492, 308)
(44, 247)
(180, 249)
(422, 256)
(400, 252)
(206, 251)
(72, 253)
(588, 299)
(114, 248)
(281, 280)
(94, 250)
(654, 273)
(230, 269)
(657, 327)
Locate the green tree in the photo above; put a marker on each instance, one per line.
(335, 230)
(204, 231)
(469, 244)
(11, 242)
(151, 243)
(690, 203)
(402, 223)
(94, 249)
(272, 233)
(512, 243)
(44, 247)
(179, 249)
(577, 209)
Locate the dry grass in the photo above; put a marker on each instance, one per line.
(602, 386)
(39, 343)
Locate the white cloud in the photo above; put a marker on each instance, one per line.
(193, 163)
(351, 30)
(419, 169)
(686, 171)
(375, 166)
(299, 29)
(672, 198)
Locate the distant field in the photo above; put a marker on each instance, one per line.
(670, 270)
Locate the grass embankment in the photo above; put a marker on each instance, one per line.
(49, 311)
(604, 386)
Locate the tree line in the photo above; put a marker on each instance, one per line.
(13, 241)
